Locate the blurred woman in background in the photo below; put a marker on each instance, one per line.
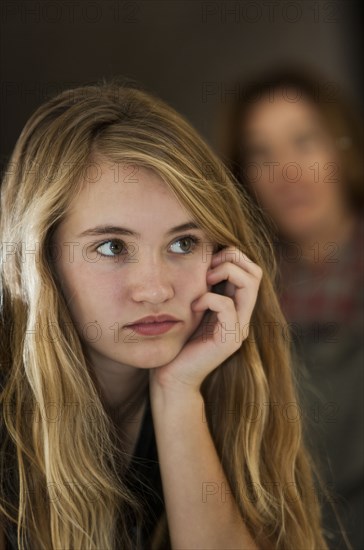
(295, 145)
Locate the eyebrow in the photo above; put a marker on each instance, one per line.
(107, 229)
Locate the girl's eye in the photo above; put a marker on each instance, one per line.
(112, 248)
(185, 245)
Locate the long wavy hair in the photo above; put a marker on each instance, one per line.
(260, 446)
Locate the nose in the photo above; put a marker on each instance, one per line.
(151, 281)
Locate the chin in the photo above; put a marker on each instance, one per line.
(153, 360)
(299, 228)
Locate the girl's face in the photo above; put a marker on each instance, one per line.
(294, 170)
(122, 256)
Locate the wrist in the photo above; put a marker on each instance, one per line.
(176, 397)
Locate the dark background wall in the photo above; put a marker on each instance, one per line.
(186, 52)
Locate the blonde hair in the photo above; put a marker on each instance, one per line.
(260, 447)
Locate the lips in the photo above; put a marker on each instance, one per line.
(297, 200)
(153, 319)
(153, 325)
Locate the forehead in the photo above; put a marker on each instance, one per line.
(107, 178)
(280, 111)
(113, 193)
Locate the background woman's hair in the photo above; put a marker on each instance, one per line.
(248, 398)
(342, 118)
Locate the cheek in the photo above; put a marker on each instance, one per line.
(192, 282)
(82, 291)
(323, 176)
(66, 279)
(265, 192)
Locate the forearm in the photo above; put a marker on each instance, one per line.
(189, 463)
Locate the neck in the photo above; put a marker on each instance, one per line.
(123, 388)
(325, 243)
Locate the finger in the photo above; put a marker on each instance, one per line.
(229, 274)
(223, 325)
(222, 306)
(235, 274)
(236, 256)
(243, 287)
